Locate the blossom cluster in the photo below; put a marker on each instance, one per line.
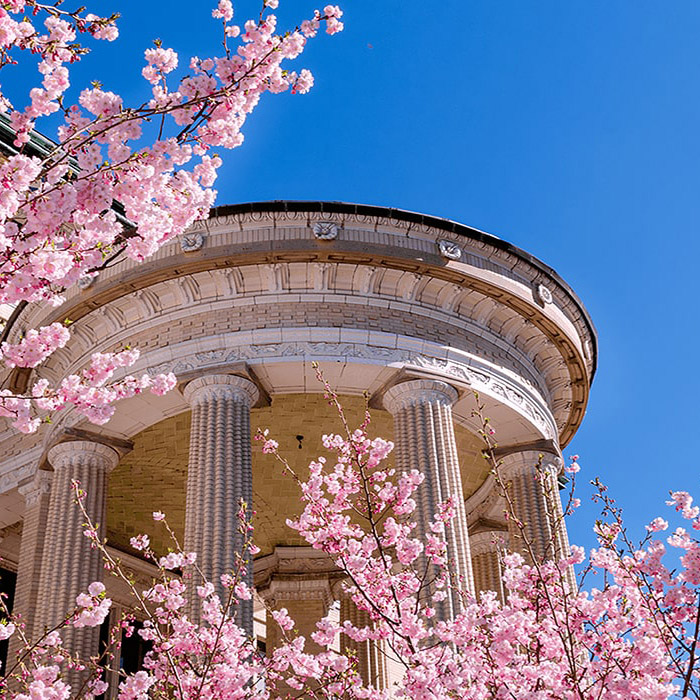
(634, 634)
(91, 393)
(633, 637)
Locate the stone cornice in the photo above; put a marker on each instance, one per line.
(420, 249)
(168, 303)
(408, 220)
(491, 277)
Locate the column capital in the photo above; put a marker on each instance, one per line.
(419, 391)
(487, 541)
(524, 462)
(77, 452)
(33, 490)
(226, 386)
(287, 562)
(297, 588)
(296, 573)
(338, 588)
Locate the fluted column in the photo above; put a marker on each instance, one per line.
(534, 491)
(69, 563)
(425, 440)
(307, 600)
(34, 527)
(486, 550)
(370, 655)
(219, 476)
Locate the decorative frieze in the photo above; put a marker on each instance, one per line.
(395, 298)
(483, 379)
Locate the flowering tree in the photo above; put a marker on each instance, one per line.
(633, 635)
(119, 177)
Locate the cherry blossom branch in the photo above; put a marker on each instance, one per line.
(58, 209)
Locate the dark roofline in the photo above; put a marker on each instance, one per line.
(38, 144)
(285, 205)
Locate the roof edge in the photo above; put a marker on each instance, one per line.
(334, 207)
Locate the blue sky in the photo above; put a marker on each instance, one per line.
(568, 128)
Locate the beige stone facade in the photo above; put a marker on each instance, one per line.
(411, 313)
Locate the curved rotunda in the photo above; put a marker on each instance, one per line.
(416, 311)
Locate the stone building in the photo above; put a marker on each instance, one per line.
(418, 311)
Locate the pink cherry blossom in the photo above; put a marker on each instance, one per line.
(282, 618)
(629, 635)
(140, 542)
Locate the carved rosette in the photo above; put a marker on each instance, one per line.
(449, 249)
(191, 241)
(543, 295)
(325, 230)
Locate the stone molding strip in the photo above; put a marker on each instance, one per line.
(468, 370)
(114, 330)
